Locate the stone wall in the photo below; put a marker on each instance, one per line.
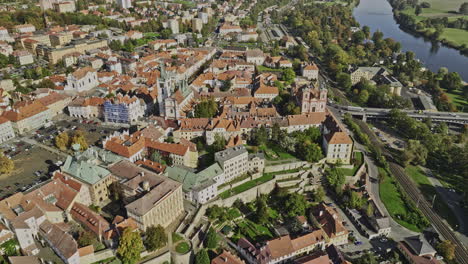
(97, 256)
(286, 166)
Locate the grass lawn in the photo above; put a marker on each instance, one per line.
(274, 152)
(455, 35)
(457, 98)
(182, 247)
(391, 198)
(359, 160)
(428, 190)
(445, 5)
(151, 34)
(254, 232)
(261, 68)
(245, 186)
(234, 213)
(176, 237)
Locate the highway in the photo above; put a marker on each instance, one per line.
(381, 113)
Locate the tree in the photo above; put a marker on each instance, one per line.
(451, 81)
(211, 240)
(446, 249)
(130, 246)
(259, 136)
(202, 257)
(309, 152)
(6, 164)
(155, 237)
(369, 210)
(226, 85)
(219, 142)
(79, 138)
(295, 205)
(319, 194)
(288, 75)
(344, 81)
(166, 33)
(464, 8)
(335, 177)
(418, 10)
(86, 238)
(262, 210)
(207, 108)
(62, 141)
(367, 258)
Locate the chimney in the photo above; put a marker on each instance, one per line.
(321, 213)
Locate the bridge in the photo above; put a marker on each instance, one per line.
(453, 118)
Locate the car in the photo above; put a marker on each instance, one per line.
(383, 239)
(357, 243)
(451, 190)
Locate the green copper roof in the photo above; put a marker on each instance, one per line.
(191, 180)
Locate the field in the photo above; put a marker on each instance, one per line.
(393, 201)
(458, 100)
(428, 190)
(444, 8)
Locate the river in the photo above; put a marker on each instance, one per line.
(378, 15)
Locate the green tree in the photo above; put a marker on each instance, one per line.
(335, 177)
(207, 108)
(226, 85)
(369, 210)
(309, 152)
(86, 238)
(219, 142)
(211, 240)
(446, 249)
(202, 257)
(155, 238)
(418, 10)
(130, 246)
(262, 210)
(451, 81)
(344, 81)
(367, 258)
(288, 75)
(464, 8)
(319, 194)
(166, 33)
(295, 204)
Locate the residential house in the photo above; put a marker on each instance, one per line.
(26, 28)
(83, 79)
(56, 102)
(337, 144)
(331, 224)
(310, 71)
(367, 73)
(417, 250)
(255, 56)
(233, 161)
(23, 57)
(227, 258)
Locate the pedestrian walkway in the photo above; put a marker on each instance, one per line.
(50, 149)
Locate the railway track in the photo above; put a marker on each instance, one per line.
(410, 188)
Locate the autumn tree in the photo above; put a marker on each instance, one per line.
(130, 246)
(62, 140)
(447, 249)
(79, 138)
(155, 238)
(6, 164)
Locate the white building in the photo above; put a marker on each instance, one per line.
(197, 25)
(23, 57)
(6, 130)
(4, 35)
(124, 3)
(310, 71)
(83, 79)
(233, 161)
(173, 25)
(255, 56)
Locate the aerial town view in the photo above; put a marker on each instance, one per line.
(233, 131)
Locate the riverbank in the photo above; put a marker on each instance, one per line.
(450, 33)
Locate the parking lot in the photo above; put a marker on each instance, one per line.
(33, 165)
(94, 131)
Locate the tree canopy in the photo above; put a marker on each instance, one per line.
(130, 246)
